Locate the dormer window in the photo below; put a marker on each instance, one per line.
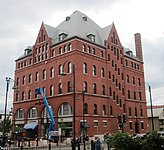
(62, 36)
(91, 37)
(27, 50)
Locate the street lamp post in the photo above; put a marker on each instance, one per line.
(151, 106)
(7, 89)
(74, 104)
(8, 80)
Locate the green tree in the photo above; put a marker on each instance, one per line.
(8, 126)
(123, 141)
(153, 141)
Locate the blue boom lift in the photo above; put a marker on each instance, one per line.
(39, 90)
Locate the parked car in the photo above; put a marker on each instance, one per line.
(139, 136)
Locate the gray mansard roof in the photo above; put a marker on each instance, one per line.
(80, 25)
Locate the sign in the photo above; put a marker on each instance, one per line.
(59, 131)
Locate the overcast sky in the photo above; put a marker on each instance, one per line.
(20, 22)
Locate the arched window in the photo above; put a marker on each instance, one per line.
(115, 67)
(94, 88)
(65, 48)
(53, 53)
(30, 78)
(114, 95)
(104, 110)
(93, 51)
(109, 75)
(60, 88)
(133, 80)
(94, 70)
(119, 86)
(128, 94)
(37, 76)
(17, 97)
(95, 109)
(102, 73)
(120, 102)
(85, 87)
(52, 72)
(116, 82)
(112, 63)
(32, 113)
(18, 81)
(60, 50)
(69, 67)
(103, 89)
(60, 69)
(101, 54)
(134, 93)
(70, 47)
(84, 68)
(111, 110)
(139, 82)
(44, 74)
(29, 94)
(110, 91)
(141, 112)
(136, 112)
(23, 95)
(89, 49)
(113, 78)
(127, 79)
(45, 114)
(24, 80)
(83, 48)
(19, 114)
(69, 86)
(44, 89)
(51, 90)
(118, 71)
(130, 111)
(65, 110)
(85, 108)
(117, 99)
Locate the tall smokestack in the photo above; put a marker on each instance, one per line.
(138, 46)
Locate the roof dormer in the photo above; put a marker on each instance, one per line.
(91, 37)
(62, 36)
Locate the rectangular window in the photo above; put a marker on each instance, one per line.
(108, 57)
(142, 125)
(111, 110)
(95, 123)
(104, 123)
(130, 126)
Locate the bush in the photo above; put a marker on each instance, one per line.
(123, 141)
(153, 141)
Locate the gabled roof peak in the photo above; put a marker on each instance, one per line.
(78, 24)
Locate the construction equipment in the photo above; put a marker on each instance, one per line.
(51, 128)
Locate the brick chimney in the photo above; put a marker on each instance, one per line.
(138, 46)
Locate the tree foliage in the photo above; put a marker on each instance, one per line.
(124, 141)
(153, 141)
(8, 126)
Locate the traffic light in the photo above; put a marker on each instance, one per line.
(124, 118)
(42, 120)
(119, 119)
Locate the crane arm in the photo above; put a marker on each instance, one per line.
(39, 90)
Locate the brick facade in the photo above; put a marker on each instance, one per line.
(113, 66)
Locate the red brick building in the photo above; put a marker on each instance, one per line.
(111, 76)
